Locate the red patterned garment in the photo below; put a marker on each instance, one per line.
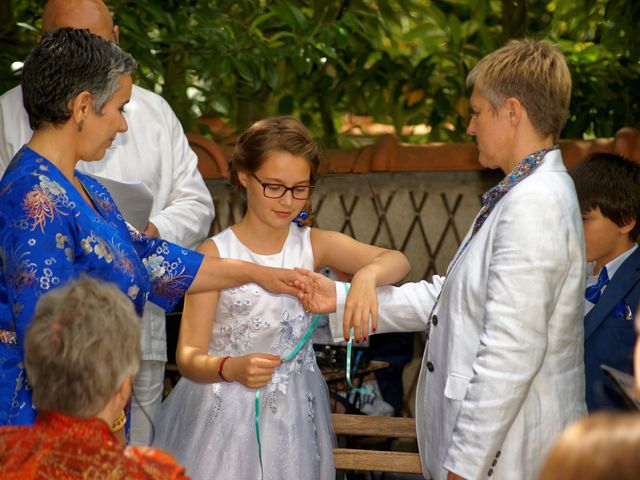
(62, 447)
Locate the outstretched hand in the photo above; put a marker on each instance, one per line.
(361, 304)
(284, 281)
(316, 292)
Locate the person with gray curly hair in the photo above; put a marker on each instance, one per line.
(82, 350)
(83, 345)
(57, 222)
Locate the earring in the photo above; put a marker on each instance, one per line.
(80, 125)
(301, 217)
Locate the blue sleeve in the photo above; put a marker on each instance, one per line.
(171, 268)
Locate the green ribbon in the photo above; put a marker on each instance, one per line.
(287, 358)
(360, 390)
(301, 343)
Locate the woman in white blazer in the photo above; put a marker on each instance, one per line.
(503, 371)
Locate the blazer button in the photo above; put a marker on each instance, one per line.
(495, 462)
(430, 366)
(498, 454)
(434, 320)
(490, 472)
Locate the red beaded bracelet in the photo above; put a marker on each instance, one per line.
(221, 368)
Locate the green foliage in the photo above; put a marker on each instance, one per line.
(604, 57)
(19, 28)
(402, 62)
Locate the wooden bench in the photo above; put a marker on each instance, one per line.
(374, 460)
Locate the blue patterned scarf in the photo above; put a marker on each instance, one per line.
(521, 171)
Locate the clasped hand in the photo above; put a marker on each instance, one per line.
(318, 295)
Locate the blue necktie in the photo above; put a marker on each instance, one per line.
(593, 292)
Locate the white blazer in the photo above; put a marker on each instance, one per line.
(503, 371)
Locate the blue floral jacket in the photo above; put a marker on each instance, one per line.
(49, 234)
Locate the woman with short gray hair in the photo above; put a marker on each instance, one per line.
(503, 370)
(82, 350)
(78, 64)
(56, 222)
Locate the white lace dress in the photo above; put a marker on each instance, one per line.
(210, 428)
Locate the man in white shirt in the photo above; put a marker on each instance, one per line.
(154, 151)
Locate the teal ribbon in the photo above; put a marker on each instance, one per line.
(360, 390)
(301, 343)
(287, 358)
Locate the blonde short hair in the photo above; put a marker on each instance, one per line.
(533, 72)
(602, 445)
(82, 343)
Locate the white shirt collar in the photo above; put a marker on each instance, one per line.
(612, 266)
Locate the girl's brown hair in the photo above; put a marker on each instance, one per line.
(275, 134)
(269, 135)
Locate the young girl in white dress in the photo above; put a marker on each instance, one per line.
(235, 341)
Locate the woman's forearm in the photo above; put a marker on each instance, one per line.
(220, 273)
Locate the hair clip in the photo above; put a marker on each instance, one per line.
(301, 217)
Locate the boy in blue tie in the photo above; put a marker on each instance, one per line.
(608, 188)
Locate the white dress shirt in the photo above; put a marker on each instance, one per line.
(155, 151)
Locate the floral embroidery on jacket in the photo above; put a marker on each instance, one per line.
(50, 234)
(42, 203)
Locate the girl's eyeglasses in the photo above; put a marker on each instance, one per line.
(277, 190)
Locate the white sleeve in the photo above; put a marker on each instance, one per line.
(187, 216)
(14, 126)
(400, 309)
(5, 156)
